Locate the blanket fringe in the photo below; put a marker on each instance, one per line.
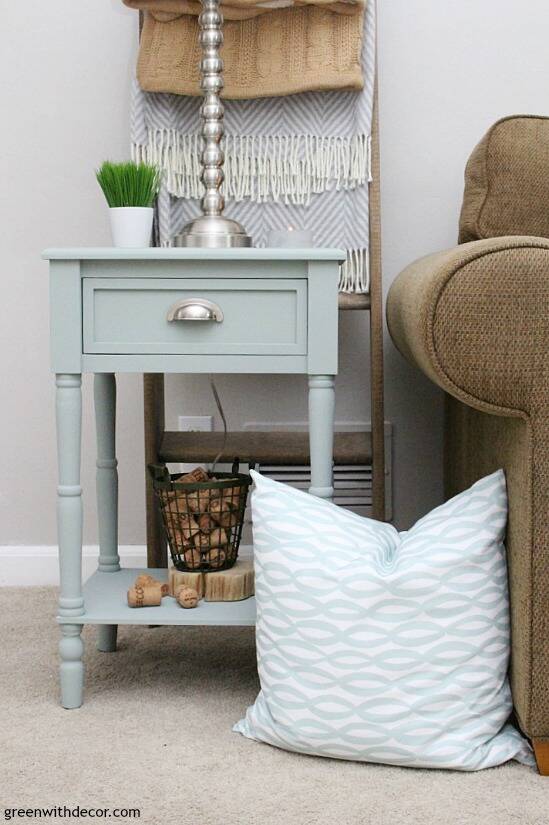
(354, 274)
(281, 168)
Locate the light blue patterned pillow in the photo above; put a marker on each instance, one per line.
(381, 646)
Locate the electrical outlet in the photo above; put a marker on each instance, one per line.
(193, 424)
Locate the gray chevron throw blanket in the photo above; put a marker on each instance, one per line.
(301, 160)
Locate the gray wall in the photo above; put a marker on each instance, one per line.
(447, 71)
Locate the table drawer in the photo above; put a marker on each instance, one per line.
(257, 317)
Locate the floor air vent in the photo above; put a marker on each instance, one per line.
(352, 483)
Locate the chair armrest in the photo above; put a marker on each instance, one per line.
(475, 319)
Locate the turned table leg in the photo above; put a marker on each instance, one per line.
(104, 390)
(321, 434)
(69, 525)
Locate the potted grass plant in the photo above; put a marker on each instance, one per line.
(130, 190)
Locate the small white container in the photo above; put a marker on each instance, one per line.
(131, 226)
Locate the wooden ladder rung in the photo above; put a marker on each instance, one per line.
(354, 300)
(278, 448)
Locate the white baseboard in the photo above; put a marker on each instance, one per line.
(27, 566)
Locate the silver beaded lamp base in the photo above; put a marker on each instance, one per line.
(213, 232)
(212, 229)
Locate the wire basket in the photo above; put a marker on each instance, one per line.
(203, 520)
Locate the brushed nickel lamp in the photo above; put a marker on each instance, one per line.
(212, 230)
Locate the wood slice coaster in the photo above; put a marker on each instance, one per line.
(185, 578)
(230, 585)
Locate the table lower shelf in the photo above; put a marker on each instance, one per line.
(105, 603)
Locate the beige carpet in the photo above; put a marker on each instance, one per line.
(155, 733)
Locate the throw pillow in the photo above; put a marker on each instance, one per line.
(381, 646)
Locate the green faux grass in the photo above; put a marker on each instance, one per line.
(129, 184)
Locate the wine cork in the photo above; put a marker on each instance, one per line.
(179, 518)
(200, 501)
(196, 476)
(192, 558)
(231, 495)
(149, 595)
(206, 523)
(219, 537)
(174, 501)
(187, 597)
(187, 525)
(143, 580)
(216, 538)
(146, 580)
(216, 558)
(221, 512)
(179, 541)
(181, 587)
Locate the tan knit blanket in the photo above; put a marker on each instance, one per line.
(267, 52)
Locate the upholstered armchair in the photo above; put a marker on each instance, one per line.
(475, 320)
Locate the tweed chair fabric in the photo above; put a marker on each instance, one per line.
(507, 181)
(475, 319)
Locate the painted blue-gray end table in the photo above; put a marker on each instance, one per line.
(117, 310)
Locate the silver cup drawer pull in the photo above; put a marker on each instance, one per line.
(195, 309)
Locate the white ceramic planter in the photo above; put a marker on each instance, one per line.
(131, 226)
